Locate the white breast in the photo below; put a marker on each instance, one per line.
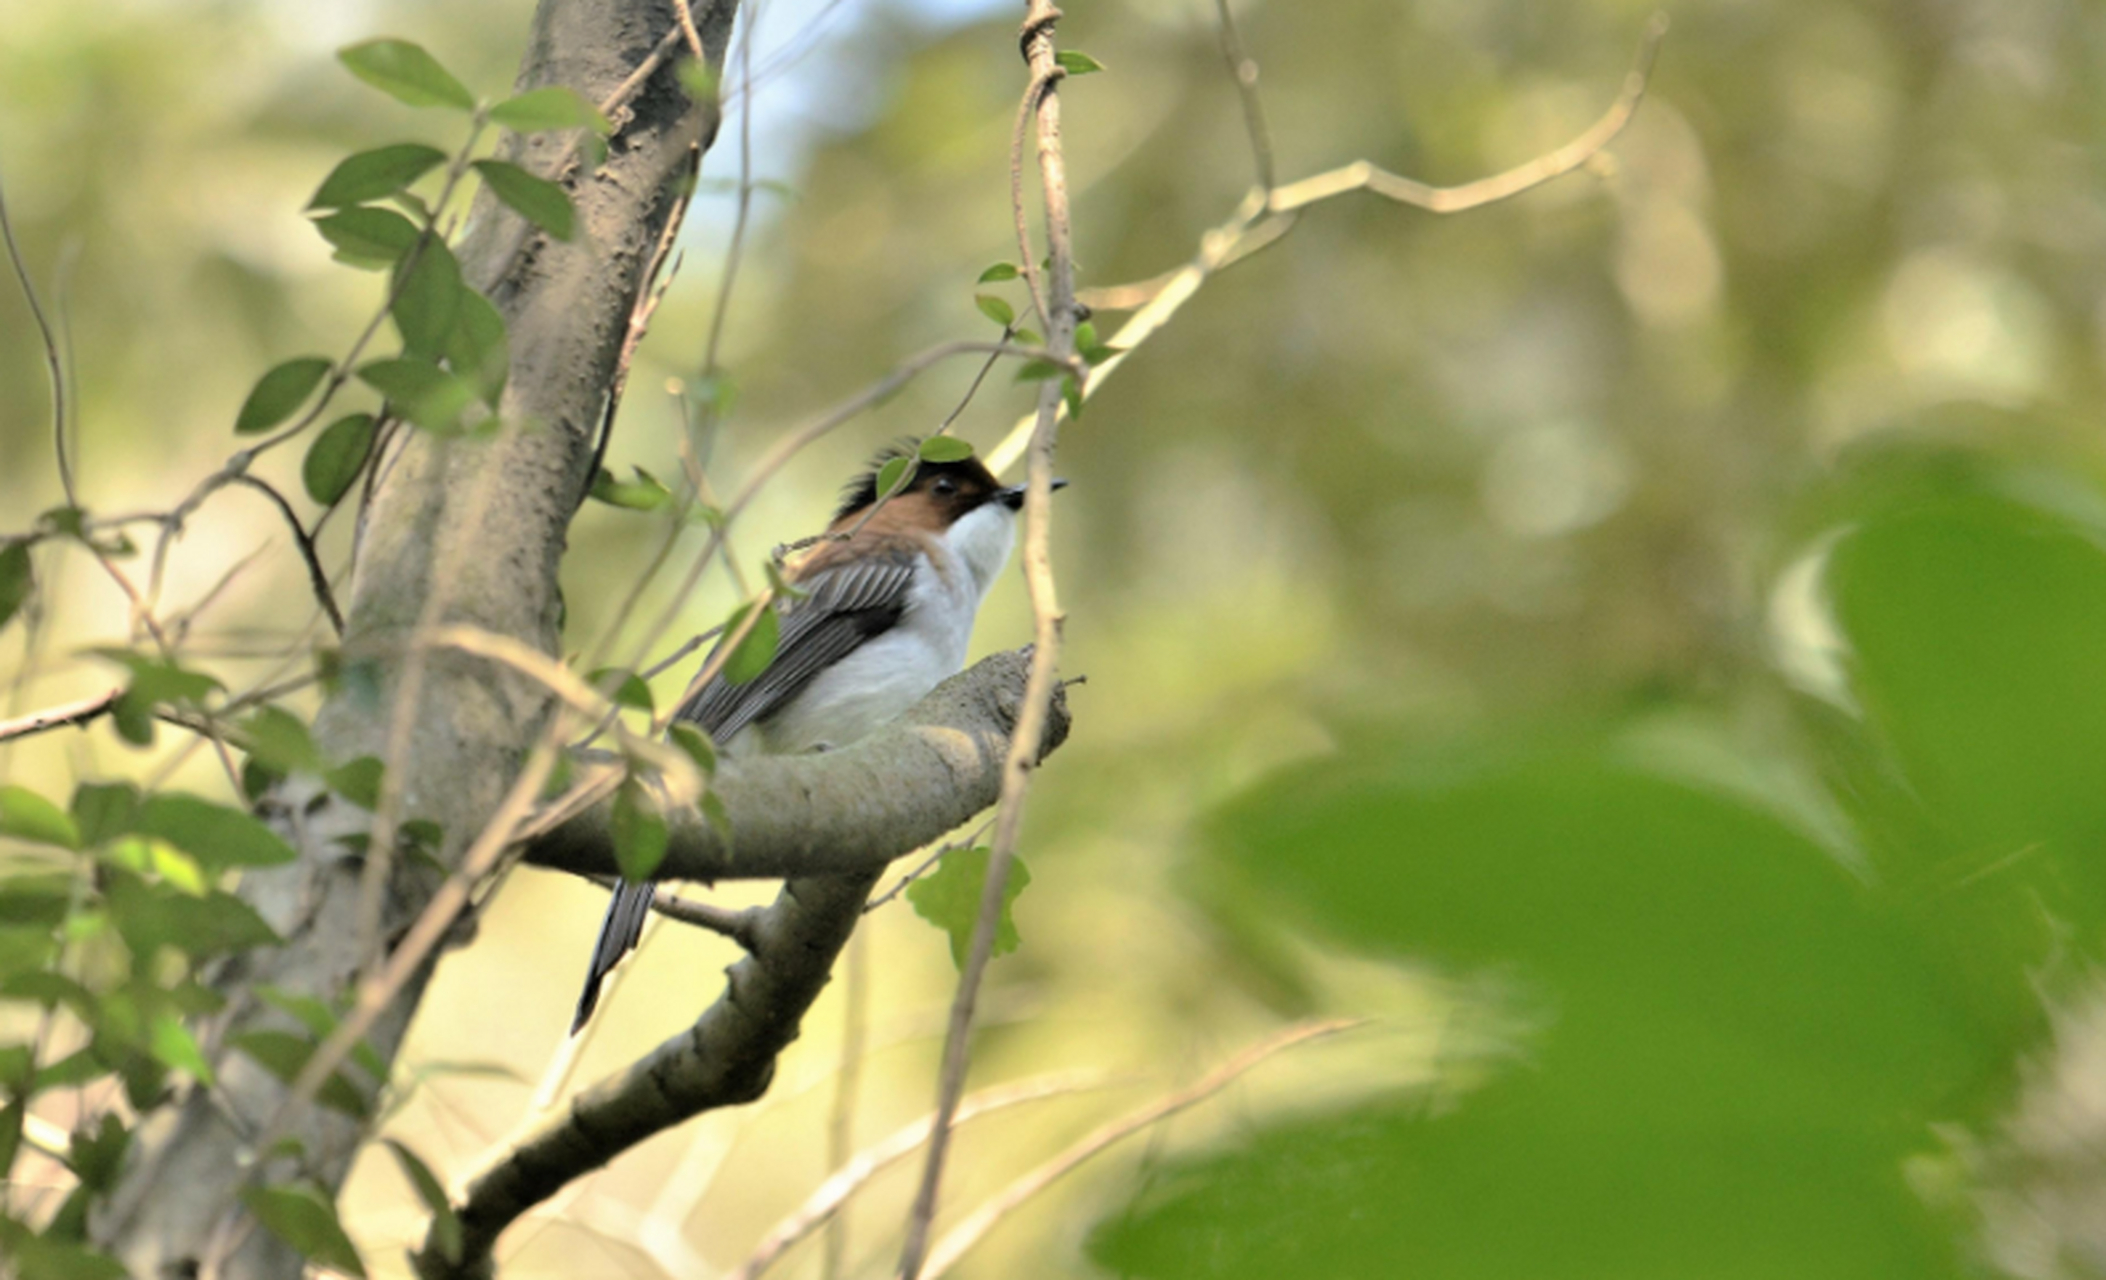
(892, 672)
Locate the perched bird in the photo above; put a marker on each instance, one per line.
(886, 618)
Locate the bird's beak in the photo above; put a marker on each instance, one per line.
(1013, 496)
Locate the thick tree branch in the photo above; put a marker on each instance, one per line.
(459, 532)
(881, 798)
(848, 811)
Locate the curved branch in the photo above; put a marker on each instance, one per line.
(950, 751)
(839, 812)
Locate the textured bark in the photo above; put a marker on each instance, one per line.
(849, 811)
(485, 519)
(853, 810)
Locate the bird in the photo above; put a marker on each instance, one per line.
(884, 612)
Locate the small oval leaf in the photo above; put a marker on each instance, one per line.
(279, 393)
(893, 476)
(336, 457)
(369, 175)
(303, 1219)
(26, 815)
(406, 73)
(538, 200)
(756, 651)
(365, 236)
(1077, 63)
(639, 830)
(1000, 271)
(427, 299)
(995, 309)
(17, 579)
(940, 449)
(553, 107)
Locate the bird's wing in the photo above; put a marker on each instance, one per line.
(850, 602)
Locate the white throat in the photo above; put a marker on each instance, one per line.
(981, 540)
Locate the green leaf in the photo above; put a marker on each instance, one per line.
(336, 457)
(995, 309)
(1077, 63)
(1038, 370)
(278, 394)
(321, 1022)
(624, 687)
(894, 476)
(17, 579)
(406, 73)
(1094, 356)
(427, 299)
(280, 740)
(104, 809)
(217, 836)
(150, 918)
(368, 237)
(757, 650)
(1071, 391)
(421, 391)
(690, 739)
(133, 718)
(640, 832)
(26, 815)
(697, 78)
(285, 1056)
(479, 349)
(950, 900)
(998, 272)
(1028, 338)
(156, 681)
(942, 449)
(359, 781)
(538, 200)
(304, 1219)
(1085, 335)
(645, 493)
(370, 175)
(552, 107)
(171, 1042)
(445, 1223)
(718, 817)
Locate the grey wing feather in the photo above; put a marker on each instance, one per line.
(846, 607)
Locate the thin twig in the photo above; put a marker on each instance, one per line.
(1243, 69)
(968, 1233)
(317, 577)
(54, 367)
(923, 866)
(58, 717)
(828, 1197)
(1264, 216)
(1040, 688)
(848, 1080)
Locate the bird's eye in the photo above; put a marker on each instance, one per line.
(945, 485)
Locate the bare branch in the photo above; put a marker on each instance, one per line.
(1043, 690)
(968, 1233)
(1266, 215)
(827, 1199)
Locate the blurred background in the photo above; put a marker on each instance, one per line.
(1638, 642)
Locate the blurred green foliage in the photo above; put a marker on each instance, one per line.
(1647, 624)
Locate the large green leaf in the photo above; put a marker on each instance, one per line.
(407, 73)
(538, 200)
(369, 175)
(1740, 1042)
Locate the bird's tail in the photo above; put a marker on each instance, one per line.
(626, 913)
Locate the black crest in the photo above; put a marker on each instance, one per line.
(862, 491)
